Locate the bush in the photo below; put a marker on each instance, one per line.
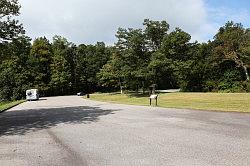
(231, 87)
(231, 82)
(210, 86)
(246, 85)
(5, 94)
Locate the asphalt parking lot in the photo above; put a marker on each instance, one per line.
(69, 130)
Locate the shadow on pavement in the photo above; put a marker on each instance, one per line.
(22, 121)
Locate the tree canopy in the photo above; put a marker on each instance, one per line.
(9, 27)
(153, 54)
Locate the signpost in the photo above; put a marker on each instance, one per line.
(152, 95)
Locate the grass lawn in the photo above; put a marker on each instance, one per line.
(232, 102)
(6, 105)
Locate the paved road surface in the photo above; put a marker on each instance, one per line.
(65, 131)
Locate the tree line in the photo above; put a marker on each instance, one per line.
(139, 58)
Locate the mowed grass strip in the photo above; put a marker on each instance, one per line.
(7, 105)
(228, 102)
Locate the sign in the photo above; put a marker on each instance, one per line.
(153, 96)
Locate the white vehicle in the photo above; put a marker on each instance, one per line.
(32, 94)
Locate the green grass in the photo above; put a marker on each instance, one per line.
(228, 102)
(7, 105)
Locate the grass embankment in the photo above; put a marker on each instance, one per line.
(228, 102)
(7, 105)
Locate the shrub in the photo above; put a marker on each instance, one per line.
(246, 85)
(231, 87)
(211, 86)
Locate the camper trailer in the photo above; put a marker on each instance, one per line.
(32, 95)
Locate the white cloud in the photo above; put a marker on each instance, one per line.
(88, 21)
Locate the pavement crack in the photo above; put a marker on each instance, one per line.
(73, 158)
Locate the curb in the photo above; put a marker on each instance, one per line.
(11, 107)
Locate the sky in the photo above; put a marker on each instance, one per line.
(89, 21)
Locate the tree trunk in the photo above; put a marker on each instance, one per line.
(246, 72)
(120, 84)
(121, 89)
(143, 87)
(137, 88)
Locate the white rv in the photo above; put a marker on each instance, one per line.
(32, 94)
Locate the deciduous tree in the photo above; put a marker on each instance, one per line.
(9, 27)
